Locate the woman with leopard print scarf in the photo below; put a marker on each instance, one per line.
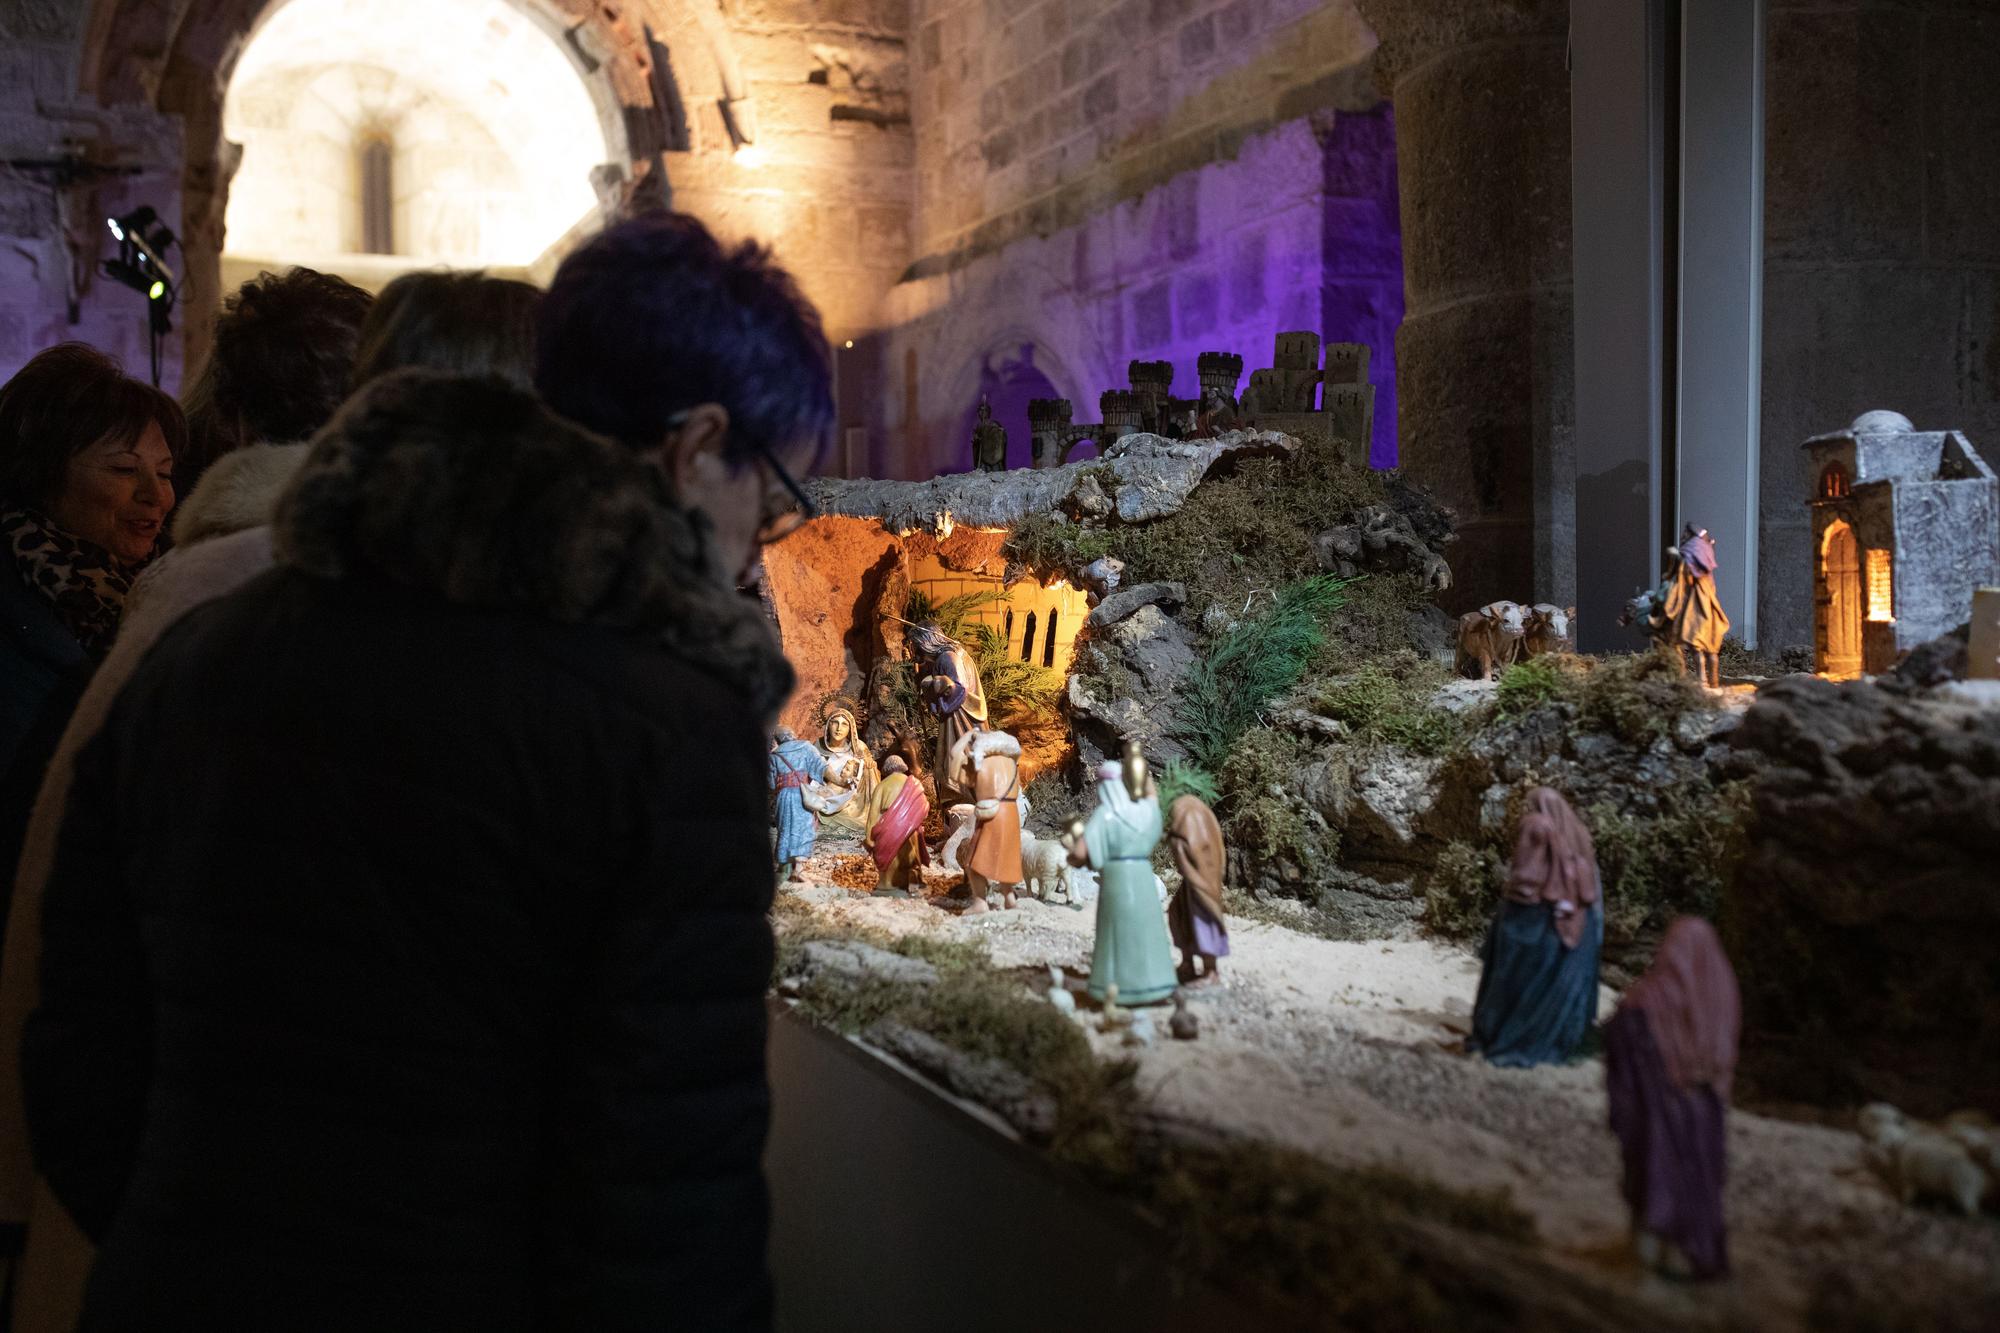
(86, 482)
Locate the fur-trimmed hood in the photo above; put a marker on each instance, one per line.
(240, 490)
(473, 489)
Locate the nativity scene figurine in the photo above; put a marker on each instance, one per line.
(850, 766)
(1131, 957)
(897, 809)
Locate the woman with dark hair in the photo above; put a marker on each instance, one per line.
(280, 363)
(1538, 986)
(448, 1009)
(285, 354)
(86, 479)
(458, 323)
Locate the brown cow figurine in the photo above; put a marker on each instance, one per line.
(1490, 638)
(1550, 629)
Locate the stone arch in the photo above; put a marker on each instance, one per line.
(1839, 600)
(176, 57)
(1013, 365)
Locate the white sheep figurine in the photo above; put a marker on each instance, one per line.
(1921, 1162)
(1046, 865)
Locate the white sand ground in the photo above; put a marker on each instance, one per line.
(1350, 1051)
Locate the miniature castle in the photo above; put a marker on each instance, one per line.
(1906, 526)
(1295, 395)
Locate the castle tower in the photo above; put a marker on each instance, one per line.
(1048, 430)
(1124, 412)
(1220, 371)
(1346, 363)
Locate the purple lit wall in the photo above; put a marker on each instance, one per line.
(1008, 381)
(1298, 230)
(1362, 300)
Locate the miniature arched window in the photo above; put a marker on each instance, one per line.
(1007, 633)
(378, 197)
(1049, 651)
(1028, 640)
(1835, 483)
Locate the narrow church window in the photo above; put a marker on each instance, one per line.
(1881, 588)
(1049, 652)
(1007, 633)
(1028, 640)
(378, 199)
(1834, 483)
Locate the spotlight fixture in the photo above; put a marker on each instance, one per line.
(143, 241)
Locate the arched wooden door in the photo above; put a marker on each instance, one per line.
(1840, 600)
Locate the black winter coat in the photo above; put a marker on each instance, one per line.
(406, 949)
(43, 671)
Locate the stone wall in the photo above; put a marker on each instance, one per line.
(817, 162)
(1882, 262)
(1098, 182)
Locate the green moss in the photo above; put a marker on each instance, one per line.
(1461, 891)
(1639, 697)
(1053, 547)
(1657, 867)
(1391, 703)
(1374, 622)
(1249, 531)
(1535, 683)
(1261, 812)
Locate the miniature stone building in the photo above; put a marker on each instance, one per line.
(1905, 525)
(1288, 396)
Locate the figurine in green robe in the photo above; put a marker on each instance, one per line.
(1131, 952)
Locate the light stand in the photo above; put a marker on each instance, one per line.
(143, 241)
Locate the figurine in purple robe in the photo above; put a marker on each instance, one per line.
(1669, 1058)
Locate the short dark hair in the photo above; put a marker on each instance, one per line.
(653, 317)
(61, 403)
(460, 323)
(283, 355)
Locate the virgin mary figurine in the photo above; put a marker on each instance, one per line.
(1131, 951)
(851, 766)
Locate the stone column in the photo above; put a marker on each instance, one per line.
(1881, 261)
(1485, 358)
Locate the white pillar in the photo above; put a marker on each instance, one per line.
(1721, 288)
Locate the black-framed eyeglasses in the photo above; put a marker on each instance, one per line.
(774, 524)
(778, 526)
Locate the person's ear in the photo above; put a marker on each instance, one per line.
(693, 451)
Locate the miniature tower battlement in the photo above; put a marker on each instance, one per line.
(1346, 363)
(1151, 377)
(1221, 371)
(1123, 412)
(1048, 430)
(1296, 351)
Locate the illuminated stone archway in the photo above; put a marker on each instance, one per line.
(365, 153)
(1839, 601)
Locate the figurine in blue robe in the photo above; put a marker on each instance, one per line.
(794, 763)
(1538, 986)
